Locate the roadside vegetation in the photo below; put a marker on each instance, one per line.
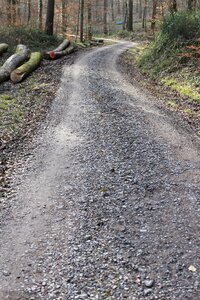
(172, 60)
(15, 101)
(173, 57)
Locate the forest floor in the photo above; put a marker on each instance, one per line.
(103, 201)
(23, 106)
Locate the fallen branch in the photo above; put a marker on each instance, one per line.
(24, 70)
(3, 48)
(15, 60)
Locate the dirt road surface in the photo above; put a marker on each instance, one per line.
(106, 202)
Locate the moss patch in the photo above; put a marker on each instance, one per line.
(185, 90)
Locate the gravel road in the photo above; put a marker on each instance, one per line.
(106, 201)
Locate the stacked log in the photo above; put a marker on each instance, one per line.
(96, 42)
(62, 50)
(21, 55)
(3, 48)
(24, 70)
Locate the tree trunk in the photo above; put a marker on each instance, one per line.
(191, 4)
(130, 15)
(9, 11)
(81, 19)
(40, 8)
(125, 9)
(105, 28)
(15, 60)
(3, 48)
(144, 19)
(50, 17)
(64, 16)
(112, 10)
(140, 9)
(89, 35)
(172, 6)
(29, 11)
(24, 70)
(153, 20)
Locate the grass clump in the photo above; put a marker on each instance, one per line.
(34, 38)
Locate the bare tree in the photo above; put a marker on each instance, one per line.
(29, 10)
(50, 17)
(81, 19)
(40, 8)
(153, 20)
(172, 6)
(130, 15)
(89, 33)
(105, 25)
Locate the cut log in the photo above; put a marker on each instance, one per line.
(62, 46)
(24, 70)
(3, 48)
(54, 55)
(96, 42)
(21, 55)
(100, 41)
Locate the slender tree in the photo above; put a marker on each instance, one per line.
(89, 20)
(40, 8)
(50, 17)
(64, 15)
(9, 11)
(130, 15)
(29, 10)
(191, 4)
(172, 6)
(105, 25)
(81, 19)
(144, 18)
(153, 19)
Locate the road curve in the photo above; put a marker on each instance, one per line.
(106, 202)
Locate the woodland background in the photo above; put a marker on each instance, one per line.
(90, 16)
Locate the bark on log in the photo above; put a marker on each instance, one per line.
(100, 41)
(3, 48)
(54, 55)
(14, 61)
(24, 70)
(61, 47)
(95, 43)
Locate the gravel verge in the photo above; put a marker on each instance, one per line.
(171, 100)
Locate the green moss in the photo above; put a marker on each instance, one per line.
(172, 104)
(185, 90)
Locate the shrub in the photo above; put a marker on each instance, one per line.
(182, 26)
(122, 34)
(176, 32)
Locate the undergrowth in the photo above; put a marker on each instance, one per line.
(174, 55)
(35, 39)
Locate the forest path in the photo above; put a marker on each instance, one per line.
(107, 202)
